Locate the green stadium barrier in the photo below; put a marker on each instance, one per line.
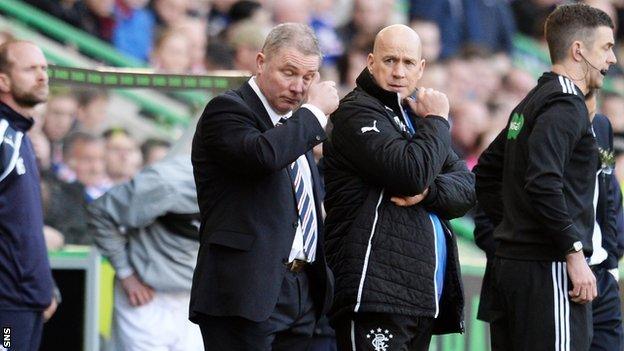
(111, 78)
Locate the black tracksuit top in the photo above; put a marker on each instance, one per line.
(537, 178)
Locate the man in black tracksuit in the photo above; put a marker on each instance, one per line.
(394, 258)
(606, 313)
(536, 181)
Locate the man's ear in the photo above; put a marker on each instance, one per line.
(577, 51)
(370, 60)
(422, 64)
(5, 83)
(260, 62)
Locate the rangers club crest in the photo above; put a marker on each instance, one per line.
(379, 339)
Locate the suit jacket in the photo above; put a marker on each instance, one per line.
(247, 204)
(609, 210)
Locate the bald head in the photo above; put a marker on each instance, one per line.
(398, 36)
(396, 62)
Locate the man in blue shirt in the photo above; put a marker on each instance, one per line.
(25, 277)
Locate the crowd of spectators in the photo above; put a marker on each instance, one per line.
(469, 46)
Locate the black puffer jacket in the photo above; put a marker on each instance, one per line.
(384, 256)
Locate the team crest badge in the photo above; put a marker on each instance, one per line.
(517, 121)
(380, 339)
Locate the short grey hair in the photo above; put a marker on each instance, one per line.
(292, 35)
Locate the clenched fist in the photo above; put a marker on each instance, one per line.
(429, 102)
(323, 95)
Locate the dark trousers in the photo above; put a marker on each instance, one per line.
(289, 327)
(531, 311)
(23, 329)
(607, 316)
(383, 331)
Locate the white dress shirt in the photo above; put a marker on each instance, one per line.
(296, 252)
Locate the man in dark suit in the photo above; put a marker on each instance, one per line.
(261, 280)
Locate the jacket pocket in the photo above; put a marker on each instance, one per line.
(234, 240)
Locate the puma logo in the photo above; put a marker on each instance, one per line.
(369, 129)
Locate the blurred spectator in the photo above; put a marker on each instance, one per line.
(170, 13)
(324, 28)
(97, 18)
(459, 88)
(84, 155)
(435, 77)
(154, 150)
(246, 39)
(613, 106)
(249, 10)
(53, 238)
(134, 28)
(92, 109)
(218, 17)
(485, 23)
(469, 121)
(219, 57)
(369, 16)
(607, 6)
(123, 156)
(195, 30)
(429, 38)
(59, 118)
(65, 10)
(296, 11)
(172, 52)
(41, 147)
(64, 210)
(149, 231)
(517, 84)
(530, 15)
(353, 62)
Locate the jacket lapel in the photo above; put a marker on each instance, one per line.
(255, 104)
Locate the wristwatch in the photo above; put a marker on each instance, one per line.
(576, 247)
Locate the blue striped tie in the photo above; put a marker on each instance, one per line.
(305, 206)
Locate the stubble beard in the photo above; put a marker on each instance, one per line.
(29, 99)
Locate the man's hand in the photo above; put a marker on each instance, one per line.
(406, 201)
(137, 292)
(429, 102)
(49, 311)
(323, 95)
(583, 280)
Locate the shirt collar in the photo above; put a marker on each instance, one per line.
(275, 117)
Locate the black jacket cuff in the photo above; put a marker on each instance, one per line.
(566, 239)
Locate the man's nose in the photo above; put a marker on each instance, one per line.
(297, 86)
(398, 70)
(611, 59)
(42, 74)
